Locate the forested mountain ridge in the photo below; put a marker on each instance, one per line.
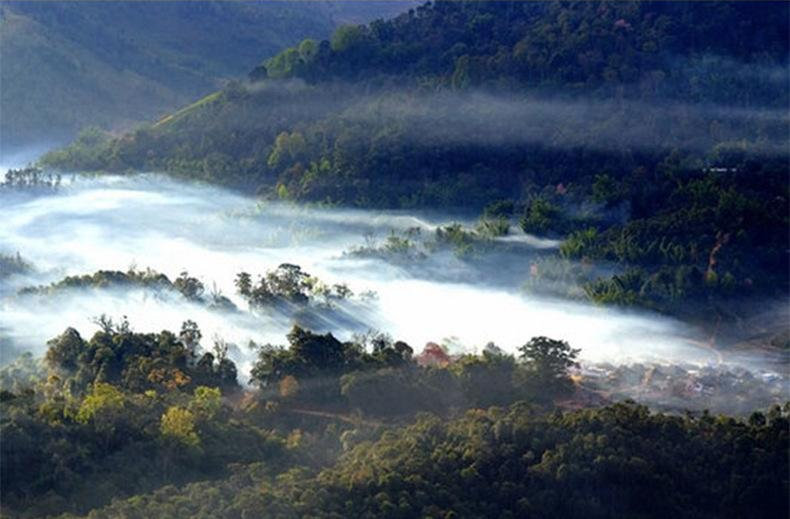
(336, 429)
(619, 153)
(607, 463)
(628, 54)
(556, 43)
(633, 130)
(68, 65)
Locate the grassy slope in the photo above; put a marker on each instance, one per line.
(65, 65)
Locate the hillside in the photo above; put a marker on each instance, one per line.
(631, 130)
(622, 83)
(131, 425)
(68, 65)
(484, 259)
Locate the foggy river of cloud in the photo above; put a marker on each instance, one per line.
(150, 221)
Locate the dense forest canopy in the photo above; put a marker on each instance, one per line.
(630, 154)
(323, 435)
(632, 130)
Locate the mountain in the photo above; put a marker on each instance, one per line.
(478, 93)
(634, 131)
(67, 65)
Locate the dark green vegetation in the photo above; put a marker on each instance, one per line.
(188, 286)
(69, 64)
(369, 146)
(656, 147)
(615, 462)
(414, 244)
(288, 285)
(287, 288)
(649, 137)
(169, 413)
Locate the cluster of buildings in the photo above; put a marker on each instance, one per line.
(685, 387)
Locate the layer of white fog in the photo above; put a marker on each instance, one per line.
(151, 221)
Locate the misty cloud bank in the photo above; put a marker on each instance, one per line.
(146, 221)
(560, 120)
(603, 125)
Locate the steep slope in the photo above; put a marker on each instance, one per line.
(483, 91)
(66, 65)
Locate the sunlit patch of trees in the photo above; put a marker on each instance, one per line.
(289, 285)
(339, 428)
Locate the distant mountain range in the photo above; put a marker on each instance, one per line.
(66, 65)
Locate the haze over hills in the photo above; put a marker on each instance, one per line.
(632, 130)
(67, 65)
(480, 260)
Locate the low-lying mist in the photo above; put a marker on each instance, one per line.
(150, 221)
(480, 116)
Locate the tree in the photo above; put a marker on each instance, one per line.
(243, 284)
(547, 362)
(206, 401)
(103, 398)
(540, 216)
(316, 353)
(190, 335)
(190, 287)
(347, 37)
(178, 424)
(64, 351)
(605, 190)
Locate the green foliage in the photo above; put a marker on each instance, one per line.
(407, 246)
(374, 121)
(64, 442)
(336, 430)
(605, 190)
(107, 279)
(579, 243)
(87, 151)
(499, 209)
(493, 227)
(547, 362)
(618, 461)
(207, 401)
(377, 123)
(190, 287)
(178, 424)
(455, 236)
(288, 149)
(347, 38)
(102, 398)
(540, 217)
(287, 286)
(135, 362)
